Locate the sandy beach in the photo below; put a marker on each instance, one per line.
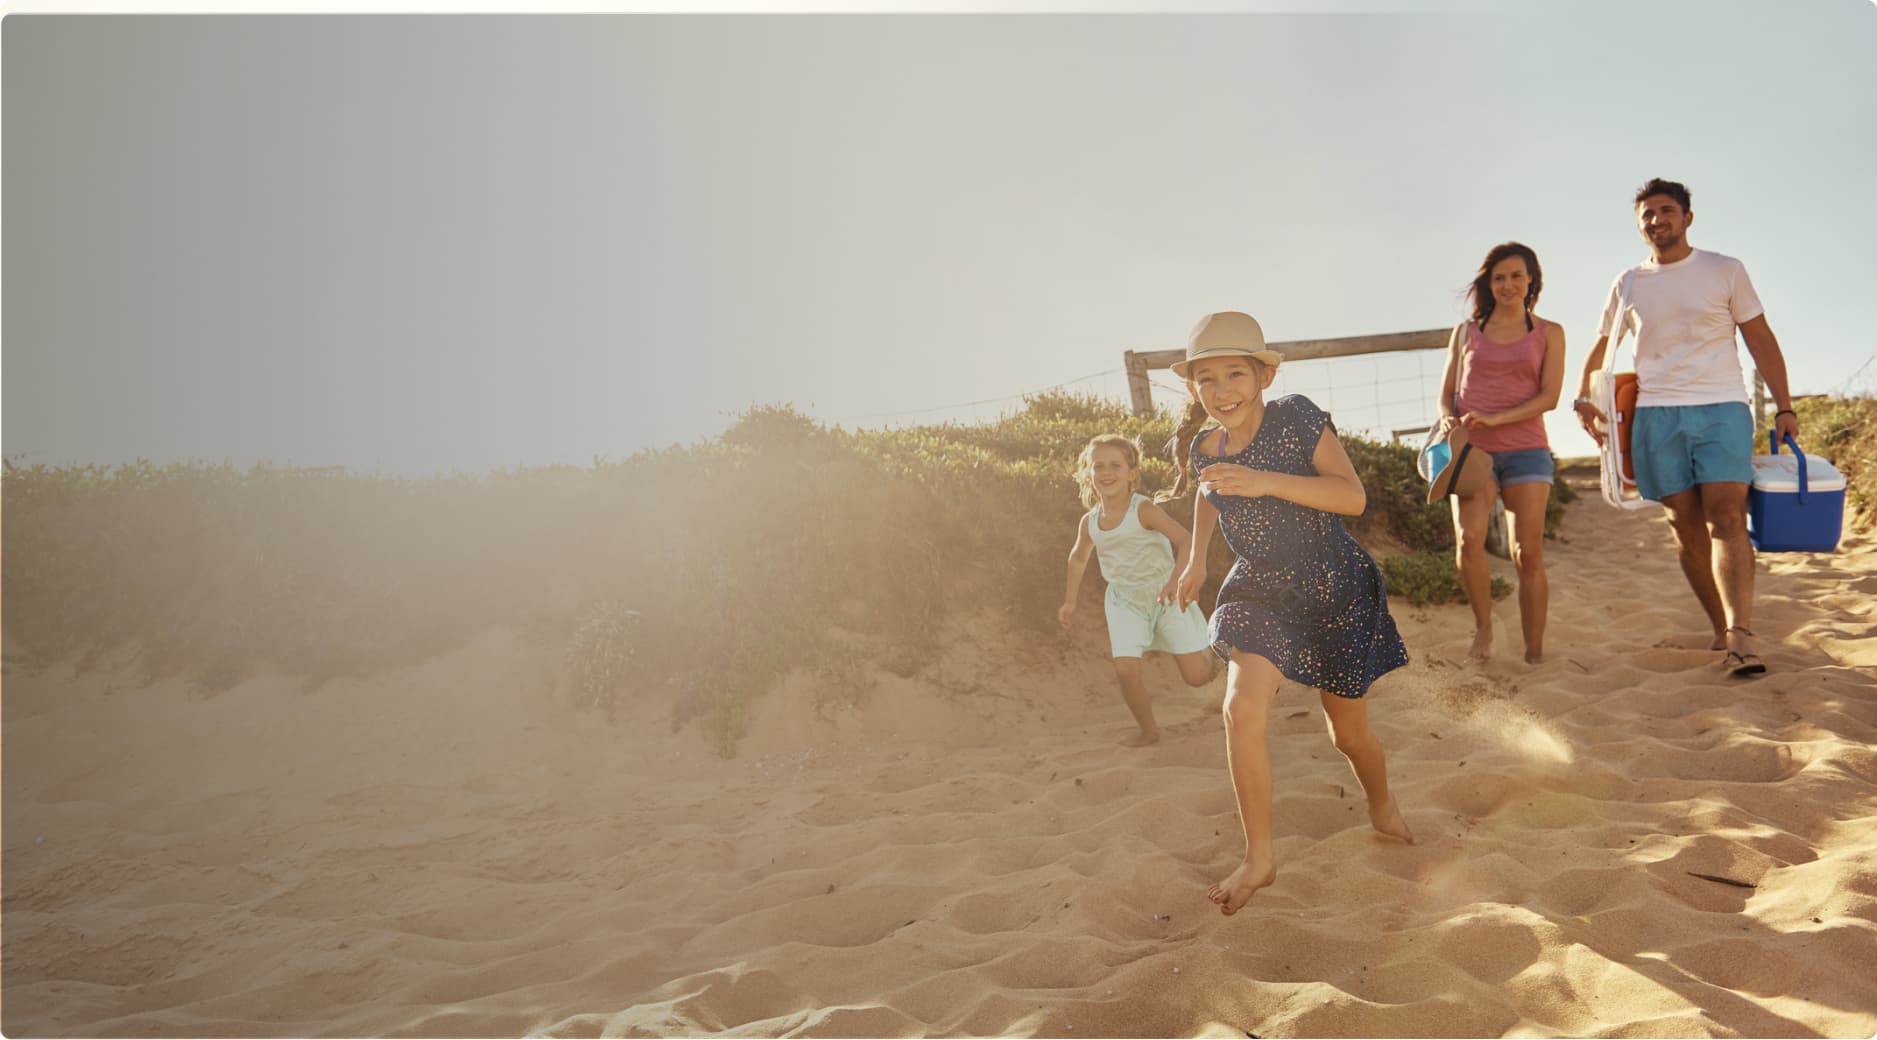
(1621, 841)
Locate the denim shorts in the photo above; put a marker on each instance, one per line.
(1677, 447)
(1526, 466)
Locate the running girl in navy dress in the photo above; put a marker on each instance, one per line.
(1137, 543)
(1303, 601)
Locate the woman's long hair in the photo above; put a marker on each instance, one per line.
(1481, 290)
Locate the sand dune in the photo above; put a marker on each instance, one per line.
(448, 850)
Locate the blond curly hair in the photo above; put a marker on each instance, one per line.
(1085, 464)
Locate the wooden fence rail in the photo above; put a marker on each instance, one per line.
(1140, 362)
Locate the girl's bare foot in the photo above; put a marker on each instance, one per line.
(1140, 738)
(1534, 656)
(1388, 820)
(1235, 891)
(1482, 644)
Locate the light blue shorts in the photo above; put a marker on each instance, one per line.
(1137, 624)
(1525, 466)
(1677, 447)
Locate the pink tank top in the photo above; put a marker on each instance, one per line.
(1498, 376)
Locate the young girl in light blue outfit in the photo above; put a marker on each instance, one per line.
(1137, 543)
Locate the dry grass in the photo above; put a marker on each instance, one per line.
(1843, 430)
(697, 576)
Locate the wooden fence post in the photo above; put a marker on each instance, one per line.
(1138, 387)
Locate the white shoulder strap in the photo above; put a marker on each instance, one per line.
(1622, 320)
(1461, 334)
(1604, 389)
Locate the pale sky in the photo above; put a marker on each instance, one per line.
(456, 242)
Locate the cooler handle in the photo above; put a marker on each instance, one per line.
(1772, 439)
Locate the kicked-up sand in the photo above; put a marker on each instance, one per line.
(1621, 841)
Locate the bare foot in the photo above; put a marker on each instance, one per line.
(1534, 656)
(1482, 645)
(1389, 821)
(1235, 891)
(1141, 739)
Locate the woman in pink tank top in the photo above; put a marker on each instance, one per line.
(1504, 370)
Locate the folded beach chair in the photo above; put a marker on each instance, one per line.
(1614, 394)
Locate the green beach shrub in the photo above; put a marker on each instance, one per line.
(703, 575)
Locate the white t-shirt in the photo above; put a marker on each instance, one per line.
(1684, 315)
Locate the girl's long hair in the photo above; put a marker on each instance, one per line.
(1180, 448)
(1480, 292)
(1085, 464)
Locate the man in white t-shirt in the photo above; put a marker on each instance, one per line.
(1692, 438)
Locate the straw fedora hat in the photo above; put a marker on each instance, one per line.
(1227, 334)
(1461, 469)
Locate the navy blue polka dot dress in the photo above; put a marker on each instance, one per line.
(1303, 593)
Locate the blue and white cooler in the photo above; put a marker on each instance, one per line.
(1796, 503)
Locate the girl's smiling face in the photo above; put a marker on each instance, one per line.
(1111, 473)
(1231, 389)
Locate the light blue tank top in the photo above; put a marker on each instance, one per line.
(1136, 561)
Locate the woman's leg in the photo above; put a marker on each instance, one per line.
(1349, 729)
(1251, 685)
(1526, 503)
(1472, 515)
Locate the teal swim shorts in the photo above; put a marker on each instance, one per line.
(1674, 448)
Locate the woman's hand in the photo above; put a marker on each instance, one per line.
(1472, 419)
(1446, 423)
(1064, 615)
(1229, 478)
(1170, 592)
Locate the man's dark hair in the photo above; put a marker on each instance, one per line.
(1673, 189)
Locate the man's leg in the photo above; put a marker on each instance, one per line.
(1723, 467)
(1663, 453)
(1688, 518)
(1725, 506)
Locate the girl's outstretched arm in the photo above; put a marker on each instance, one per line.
(1158, 520)
(1078, 562)
(1193, 568)
(1335, 488)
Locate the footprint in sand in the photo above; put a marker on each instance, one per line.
(1052, 964)
(1739, 761)
(1669, 660)
(1690, 641)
